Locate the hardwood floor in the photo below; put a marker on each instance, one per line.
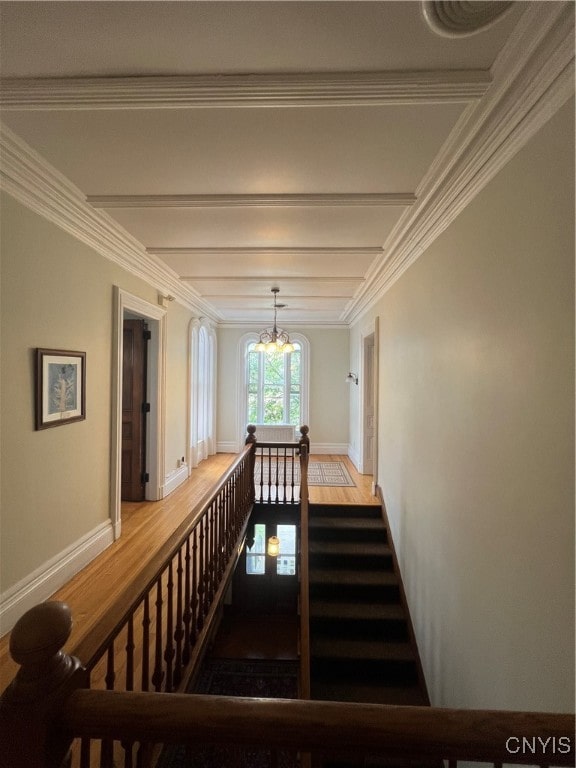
(145, 525)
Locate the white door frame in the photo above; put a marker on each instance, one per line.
(371, 329)
(156, 384)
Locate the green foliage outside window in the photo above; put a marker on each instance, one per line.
(274, 386)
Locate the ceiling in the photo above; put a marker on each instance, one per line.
(237, 146)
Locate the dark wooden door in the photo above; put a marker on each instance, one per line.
(134, 409)
(271, 590)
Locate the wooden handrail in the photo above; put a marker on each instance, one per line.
(90, 648)
(396, 731)
(278, 482)
(49, 703)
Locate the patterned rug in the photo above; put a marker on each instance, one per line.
(237, 677)
(319, 473)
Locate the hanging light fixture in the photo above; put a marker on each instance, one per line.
(275, 338)
(273, 548)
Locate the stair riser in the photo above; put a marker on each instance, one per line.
(388, 631)
(352, 562)
(372, 761)
(328, 533)
(356, 592)
(353, 510)
(361, 671)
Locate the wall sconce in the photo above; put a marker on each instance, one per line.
(273, 546)
(352, 378)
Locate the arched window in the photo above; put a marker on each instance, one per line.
(202, 391)
(275, 383)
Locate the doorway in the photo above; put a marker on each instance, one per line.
(129, 307)
(369, 422)
(369, 367)
(135, 409)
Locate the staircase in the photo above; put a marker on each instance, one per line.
(360, 643)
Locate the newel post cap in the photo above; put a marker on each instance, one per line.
(30, 706)
(251, 438)
(39, 635)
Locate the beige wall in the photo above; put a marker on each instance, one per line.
(476, 448)
(329, 356)
(58, 293)
(177, 383)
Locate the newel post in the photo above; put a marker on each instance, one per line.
(29, 707)
(304, 441)
(304, 451)
(251, 440)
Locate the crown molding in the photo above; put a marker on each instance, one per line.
(264, 90)
(27, 177)
(280, 252)
(533, 78)
(252, 201)
(263, 279)
(255, 326)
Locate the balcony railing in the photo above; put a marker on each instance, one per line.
(149, 644)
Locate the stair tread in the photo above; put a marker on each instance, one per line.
(363, 523)
(347, 610)
(368, 548)
(410, 695)
(331, 576)
(367, 509)
(377, 650)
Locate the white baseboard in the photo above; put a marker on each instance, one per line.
(354, 457)
(340, 449)
(44, 581)
(174, 479)
(227, 447)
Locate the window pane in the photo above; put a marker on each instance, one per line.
(286, 561)
(274, 368)
(273, 386)
(295, 365)
(252, 408)
(295, 409)
(273, 405)
(255, 555)
(253, 366)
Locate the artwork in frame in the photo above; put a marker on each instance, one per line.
(60, 387)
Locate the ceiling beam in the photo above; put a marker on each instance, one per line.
(252, 201)
(291, 279)
(533, 78)
(261, 90)
(246, 252)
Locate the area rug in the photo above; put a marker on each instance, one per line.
(238, 677)
(329, 473)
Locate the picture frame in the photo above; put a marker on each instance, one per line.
(60, 387)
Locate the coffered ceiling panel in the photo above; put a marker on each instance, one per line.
(252, 150)
(261, 227)
(222, 148)
(166, 38)
(270, 263)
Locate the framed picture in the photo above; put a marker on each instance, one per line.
(60, 387)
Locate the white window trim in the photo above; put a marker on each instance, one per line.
(201, 404)
(253, 337)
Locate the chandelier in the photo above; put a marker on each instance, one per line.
(274, 338)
